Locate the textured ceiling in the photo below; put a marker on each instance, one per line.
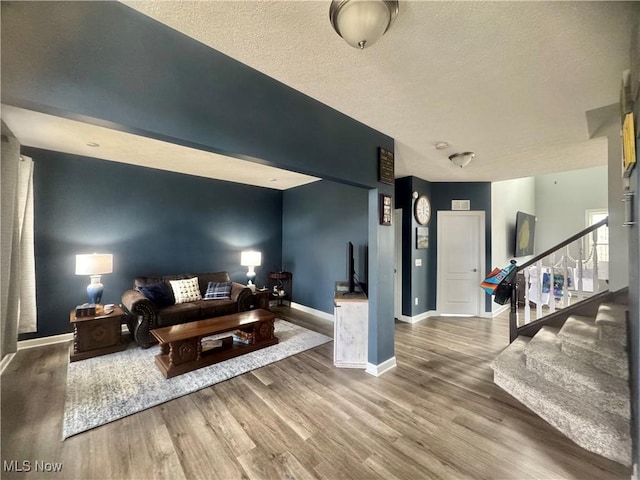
(511, 81)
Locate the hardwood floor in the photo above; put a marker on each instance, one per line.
(436, 415)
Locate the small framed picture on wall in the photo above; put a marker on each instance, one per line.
(386, 210)
(422, 237)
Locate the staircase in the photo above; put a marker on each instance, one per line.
(577, 379)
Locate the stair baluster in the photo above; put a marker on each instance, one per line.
(580, 273)
(535, 269)
(565, 283)
(540, 280)
(527, 308)
(552, 281)
(596, 279)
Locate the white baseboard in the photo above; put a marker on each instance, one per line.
(377, 370)
(313, 311)
(33, 343)
(435, 313)
(41, 342)
(418, 318)
(5, 361)
(498, 311)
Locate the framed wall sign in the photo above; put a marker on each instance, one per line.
(386, 209)
(386, 169)
(628, 145)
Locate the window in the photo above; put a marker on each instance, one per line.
(601, 235)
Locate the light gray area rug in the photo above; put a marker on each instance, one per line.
(106, 388)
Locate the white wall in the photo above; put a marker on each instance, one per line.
(507, 198)
(618, 235)
(558, 200)
(561, 201)
(605, 122)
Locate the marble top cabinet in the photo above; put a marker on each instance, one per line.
(351, 328)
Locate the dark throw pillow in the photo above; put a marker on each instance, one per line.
(218, 291)
(160, 294)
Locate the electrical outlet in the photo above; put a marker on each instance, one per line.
(416, 300)
(418, 262)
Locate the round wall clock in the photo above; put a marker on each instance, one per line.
(422, 210)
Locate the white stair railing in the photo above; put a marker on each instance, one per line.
(552, 284)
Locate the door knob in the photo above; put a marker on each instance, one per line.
(474, 270)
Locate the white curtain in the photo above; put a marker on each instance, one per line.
(17, 262)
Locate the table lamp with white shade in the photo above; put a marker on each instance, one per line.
(95, 265)
(251, 259)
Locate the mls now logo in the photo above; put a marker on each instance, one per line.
(28, 466)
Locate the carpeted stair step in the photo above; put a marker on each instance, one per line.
(545, 358)
(611, 321)
(579, 336)
(598, 431)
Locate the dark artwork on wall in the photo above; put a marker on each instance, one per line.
(525, 231)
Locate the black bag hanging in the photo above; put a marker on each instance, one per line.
(504, 288)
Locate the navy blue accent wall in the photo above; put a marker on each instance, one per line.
(152, 221)
(421, 282)
(106, 64)
(416, 281)
(318, 221)
(106, 61)
(403, 200)
(381, 283)
(479, 193)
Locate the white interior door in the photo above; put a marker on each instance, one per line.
(461, 261)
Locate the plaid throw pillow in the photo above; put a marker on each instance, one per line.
(218, 291)
(186, 290)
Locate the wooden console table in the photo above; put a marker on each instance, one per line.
(181, 348)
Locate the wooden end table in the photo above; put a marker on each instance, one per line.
(181, 347)
(97, 334)
(261, 298)
(284, 281)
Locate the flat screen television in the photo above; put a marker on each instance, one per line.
(351, 269)
(525, 233)
(354, 283)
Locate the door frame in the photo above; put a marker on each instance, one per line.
(441, 250)
(397, 221)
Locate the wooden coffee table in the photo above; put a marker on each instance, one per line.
(181, 345)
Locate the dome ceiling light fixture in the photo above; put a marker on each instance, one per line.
(361, 23)
(461, 159)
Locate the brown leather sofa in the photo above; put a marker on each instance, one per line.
(144, 314)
